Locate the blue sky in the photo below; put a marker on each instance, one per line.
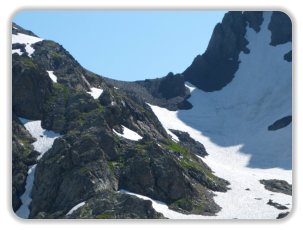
(127, 45)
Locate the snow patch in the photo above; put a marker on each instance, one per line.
(27, 40)
(128, 134)
(26, 198)
(191, 88)
(17, 51)
(44, 138)
(44, 141)
(75, 208)
(52, 76)
(95, 92)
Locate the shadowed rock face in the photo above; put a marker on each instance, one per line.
(282, 215)
(277, 186)
(18, 29)
(281, 28)
(276, 205)
(31, 88)
(217, 66)
(169, 91)
(281, 123)
(288, 56)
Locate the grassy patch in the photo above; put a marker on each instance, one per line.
(110, 164)
(29, 63)
(103, 216)
(66, 94)
(83, 170)
(147, 160)
(57, 55)
(26, 152)
(80, 122)
(141, 148)
(74, 132)
(176, 148)
(100, 109)
(51, 44)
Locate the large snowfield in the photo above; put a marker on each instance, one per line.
(232, 125)
(44, 141)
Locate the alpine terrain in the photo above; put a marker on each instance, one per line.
(213, 142)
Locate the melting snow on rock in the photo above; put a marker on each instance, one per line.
(128, 134)
(75, 208)
(17, 51)
(44, 141)
(27, 40)
(52, 76)
(95, 92)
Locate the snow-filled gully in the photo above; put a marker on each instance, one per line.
(44, 141)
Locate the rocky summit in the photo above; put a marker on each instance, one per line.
(86, 146)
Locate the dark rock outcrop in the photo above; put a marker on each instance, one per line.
(192, 145)
(281, 123)
(288, 56)
(31, 88)
(276, 205)
(282, 215)
(216, 67)
(280, 186)
(281, 28)
(68, 71)
(254, 19)
(169, 92)
(18, 29)
(116, 205)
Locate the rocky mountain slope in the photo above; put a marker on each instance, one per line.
(95, 156)
(211, 142)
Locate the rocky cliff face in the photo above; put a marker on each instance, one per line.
(169, 91)
(216, 67)
(94, 158)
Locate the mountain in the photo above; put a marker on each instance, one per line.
(211, 142)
